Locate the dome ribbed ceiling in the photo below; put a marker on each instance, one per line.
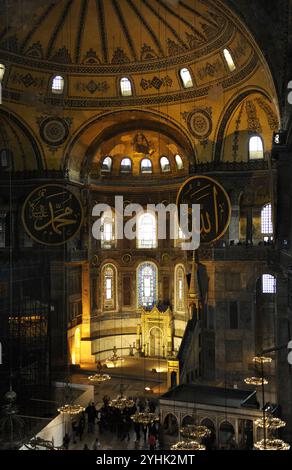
(115, 31)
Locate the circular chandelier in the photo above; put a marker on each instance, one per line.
(99, 378)
(145, 418)
(114, 359)
(257, 381)
(270, 422)
(262, 360)
(188, 445)
(194, 431)
(121, 403)
(69, 409)
(271, 444)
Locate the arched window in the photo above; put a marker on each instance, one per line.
(126, 87)
(229, 60)
(107, 230)
(146, 166)
(147, 231)
(186, 78)
(58, 84)
(106, 165)
(165, 165)
(179, 162)
(256, 148)
(2, 72)
(109, 287)
(179, 288)
(269, 284)
(266, 220)
(126, 165)
(147, 284)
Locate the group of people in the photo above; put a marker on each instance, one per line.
(115, 421)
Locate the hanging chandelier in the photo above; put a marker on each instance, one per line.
(270, 423)
(99, 378)
(262, 360)
(188, 445)
(114, 359)
(69, 409)
(193, 431)
(145, 418)
(121, 403)
(271, 444)
(257, 381)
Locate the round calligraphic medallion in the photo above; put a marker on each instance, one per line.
(52, 215)
(215, 206)
(54, 131)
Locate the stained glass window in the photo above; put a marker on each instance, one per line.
(146, 166)
(106, 164)
(126, 165)
(147, 285)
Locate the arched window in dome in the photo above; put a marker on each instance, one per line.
(147, 230)
(229, 60)
(146, 166)
(147, 284)
(109, 285)
(106, 165)
(165, 165)
(186, 78)
(267, 221)
(126, 165)
(256, 148)
(179, 162)
(269, 284)
(58, 84)
(107, 239)
(126, 87)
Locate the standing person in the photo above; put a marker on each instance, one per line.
(96, 444)
(81, 425)
(66, 441)
(137, 431)
(145, 428)
(91, 415)
(74, 430)
(85, 447)
(151, 442)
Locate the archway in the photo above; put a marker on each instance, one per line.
(170, 425)
(156, 342)
(226, 436)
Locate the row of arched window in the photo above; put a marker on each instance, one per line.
(147, 228)
(125, 84)
(145, 165)
(147, 286)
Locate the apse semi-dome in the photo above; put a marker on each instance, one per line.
(93, 44)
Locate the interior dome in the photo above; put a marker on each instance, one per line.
(117, 32)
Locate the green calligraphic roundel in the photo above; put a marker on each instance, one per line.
(52, 215)
(215, 206)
